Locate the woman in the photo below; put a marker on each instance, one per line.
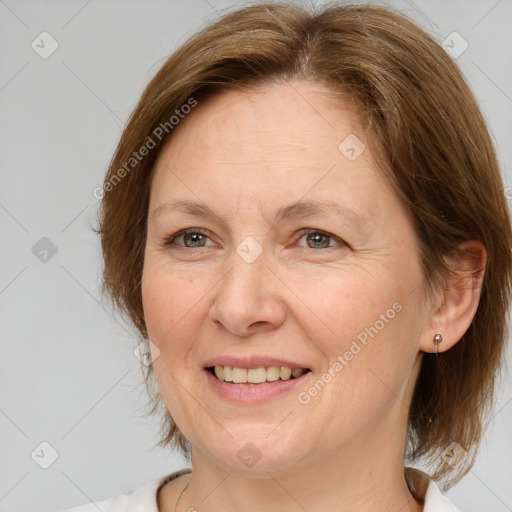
(305, 220)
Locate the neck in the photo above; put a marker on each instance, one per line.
(366, 476)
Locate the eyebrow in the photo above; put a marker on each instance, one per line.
(301, 209)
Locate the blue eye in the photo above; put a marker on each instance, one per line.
(196, 238)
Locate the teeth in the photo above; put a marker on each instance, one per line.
(228, 373)
(256, 375)
(273, 373)
(297, 372)
(285, 373)
(239, 375)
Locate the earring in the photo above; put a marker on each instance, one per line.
(437, 339)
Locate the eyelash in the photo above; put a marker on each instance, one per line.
(170, 240)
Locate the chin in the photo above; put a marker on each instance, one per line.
(255, 455)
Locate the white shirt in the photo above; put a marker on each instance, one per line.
(143, 499)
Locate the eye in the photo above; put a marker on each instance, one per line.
(319, 239)
(192, 236)
(196, 238)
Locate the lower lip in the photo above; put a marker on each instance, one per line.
(253, 393)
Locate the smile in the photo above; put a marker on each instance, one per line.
(252, 393)
(237, 375)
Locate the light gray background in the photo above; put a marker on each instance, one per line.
(67, 369)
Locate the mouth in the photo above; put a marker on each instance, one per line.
(255, 376)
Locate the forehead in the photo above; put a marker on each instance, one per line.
(283, 126)
(297, 112)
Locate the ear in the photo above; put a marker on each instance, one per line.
(454, 310)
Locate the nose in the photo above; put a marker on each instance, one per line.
(248, 298)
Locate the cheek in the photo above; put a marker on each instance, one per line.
(167, 301)
(340, 305)
(364, 328)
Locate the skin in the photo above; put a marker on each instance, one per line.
(246, 154)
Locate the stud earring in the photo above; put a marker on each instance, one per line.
(438, 338)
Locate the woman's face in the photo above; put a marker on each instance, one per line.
(334, 286)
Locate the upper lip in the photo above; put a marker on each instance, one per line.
(252, 362)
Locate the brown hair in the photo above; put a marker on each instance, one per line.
(432, 143)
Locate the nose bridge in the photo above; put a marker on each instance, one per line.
(244, 296)
(248, 271)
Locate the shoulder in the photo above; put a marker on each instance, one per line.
(425, 489)
(435, 501)
(142, 498)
